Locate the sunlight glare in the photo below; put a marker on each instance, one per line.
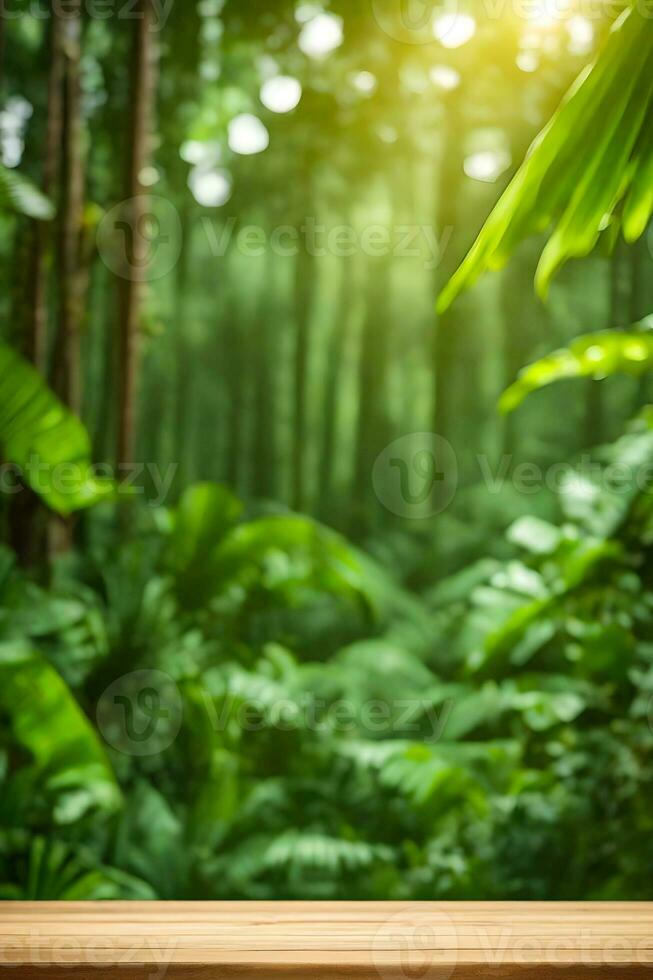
(200, 152)
(487, 165)
(546, 13)
(248, 135)
(149, 176)
(281, 94)
(445, 77)
(454, 30)
(528, 61)
(364, 81)
(321, 35)
(581, 35)
(211, 188)
(307, 11)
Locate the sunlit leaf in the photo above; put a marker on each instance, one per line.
(595, 152)
(596, 355)
(48, 444)
(65, 757)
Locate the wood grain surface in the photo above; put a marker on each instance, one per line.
(369, 941)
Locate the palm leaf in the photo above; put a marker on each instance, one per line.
(304, 850)
(67, 767)
(595, 154)
(53, 871)
(595, 355)
(19, 194)
(45, 440)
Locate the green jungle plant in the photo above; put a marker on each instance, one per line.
(523, 690)
(588, 173)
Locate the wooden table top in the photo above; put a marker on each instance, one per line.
(364, 940)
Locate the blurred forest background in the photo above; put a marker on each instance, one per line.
(324, 622)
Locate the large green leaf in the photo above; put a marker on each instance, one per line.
(287, 554)
(595, 154)
(66, 768)
(19, 194)
(594, 355)
(284, 554)
(53, 871)
(48, 444)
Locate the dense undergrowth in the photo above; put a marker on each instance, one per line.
(307, 728)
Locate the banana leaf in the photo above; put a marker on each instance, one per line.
(595, 355)
(591, 166)
(48, 444)
(65, 771)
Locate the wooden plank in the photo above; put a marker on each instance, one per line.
(334, 941)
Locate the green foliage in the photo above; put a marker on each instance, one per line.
(594, 155)
(19, 194)
(65, 758)
(230, 700)
(51, 871)
(596, 355)
(48, 444)
(384, 767)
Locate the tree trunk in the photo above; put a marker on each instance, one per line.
(445, 339)
(135, 216)
(372, 433)
(36, 336)
(333, 373)
(2, 57)
(305, 273)
(618, 314)
(640, 302)
(182, 357)
(71, 277)
(265, 450)
(234, 346)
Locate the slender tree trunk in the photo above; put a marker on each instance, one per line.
(234, 346)
(305, 273)
(135, 216)
(596, 421)
(333, 373)
(36, 338)
(67, 368)
(182, 357)
(265, 450)
(641, 304)
(71, 276)
(2, 56)
(445, 338)
(373, 429)
(29, 523)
